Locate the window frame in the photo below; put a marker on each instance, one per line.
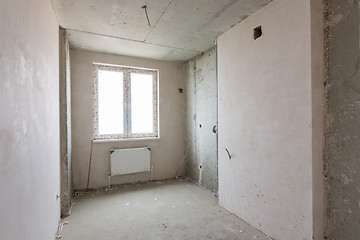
(126, 102)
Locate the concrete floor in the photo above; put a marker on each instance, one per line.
(173, 209)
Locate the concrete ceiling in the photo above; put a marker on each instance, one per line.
(180, 29)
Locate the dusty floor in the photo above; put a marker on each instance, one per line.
(174, 209)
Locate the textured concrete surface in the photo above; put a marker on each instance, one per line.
(167, 153)
(265, 120)
(65, 124)
(200, 118)
(173, 209)
(180, 30)
(342, 152)
(29, 123)
(192, 166)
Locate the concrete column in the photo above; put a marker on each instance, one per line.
(342, 121)
(65, 124)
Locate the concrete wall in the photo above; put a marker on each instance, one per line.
(167, 153)
(200, 117)
(342, 152)
(65, 124)
(268, 93)
(29, 123)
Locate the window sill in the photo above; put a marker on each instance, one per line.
(126, 140)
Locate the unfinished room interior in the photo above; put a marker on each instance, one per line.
(180, 119)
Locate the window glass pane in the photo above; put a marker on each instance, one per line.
(141, 103)
(110, 102)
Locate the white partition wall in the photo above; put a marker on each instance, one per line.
(265, 120)
(29, 123)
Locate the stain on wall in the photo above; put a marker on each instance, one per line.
(342, 122)
(200, 118)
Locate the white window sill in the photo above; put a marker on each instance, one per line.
(126, 140)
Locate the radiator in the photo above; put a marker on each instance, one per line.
(132, 160)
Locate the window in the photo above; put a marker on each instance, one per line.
(125, 102)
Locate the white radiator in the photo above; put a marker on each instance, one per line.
(132, 160)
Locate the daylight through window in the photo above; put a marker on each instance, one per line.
(125, 102)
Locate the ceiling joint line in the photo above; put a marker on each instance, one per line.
(158, 20)
(131, 40)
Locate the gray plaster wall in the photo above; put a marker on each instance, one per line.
(167, 153)
(342, 135)
(29, 123)
(65, 123)
(200, 118)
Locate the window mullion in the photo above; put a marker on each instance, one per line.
(124, 104)
(141, 88)
(128, 101)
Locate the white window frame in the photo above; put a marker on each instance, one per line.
(127, 102)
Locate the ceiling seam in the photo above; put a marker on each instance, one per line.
(131, 40)
(158, 20)
(56, 16)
